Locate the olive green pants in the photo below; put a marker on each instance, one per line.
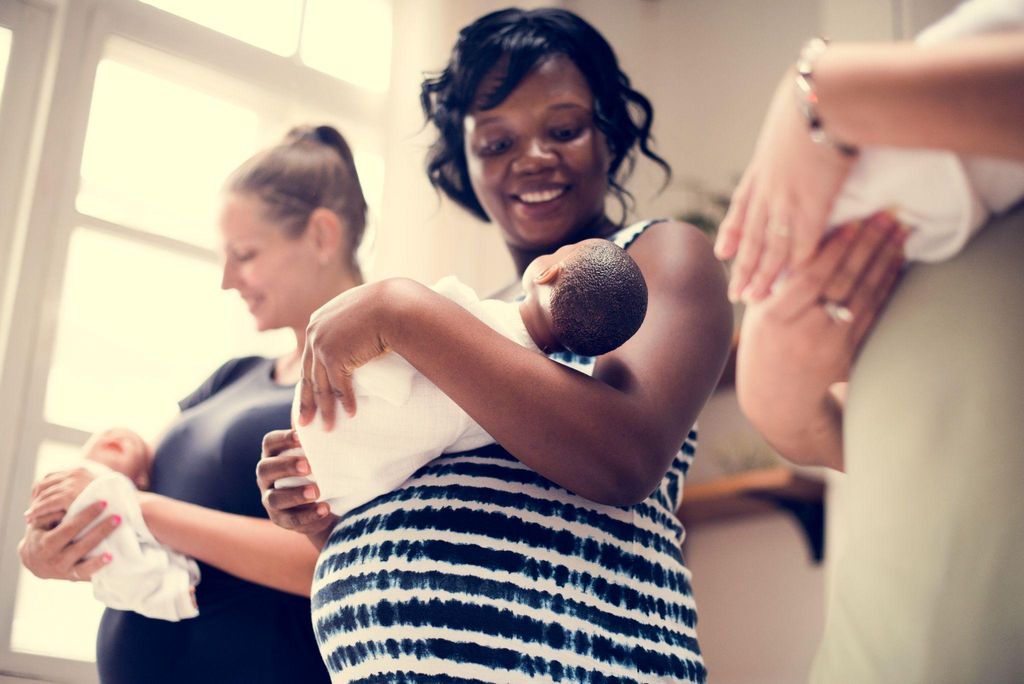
(929, 583)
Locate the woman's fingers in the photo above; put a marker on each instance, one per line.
(75, 550)
(342, 390)
(62, 535)
(84, 569)
(275, 463)
(324, 392)
(48, 482)
(287, 498)
(273, 468)
(804, 287)
(875, 232)
(730, 232)
(44, 506)
(276, 441)
(303, 517)
(775, 253)
(750, 249)
(46, 521)
(307, 396)
(871, 295)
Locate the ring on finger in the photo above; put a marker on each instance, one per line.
(839, 313)
(74, 572)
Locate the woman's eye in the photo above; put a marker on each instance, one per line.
(494, 147)
(241, 257)
(566, 133)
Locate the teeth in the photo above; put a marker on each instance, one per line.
(542, 196)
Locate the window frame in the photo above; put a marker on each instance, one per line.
(60, 43)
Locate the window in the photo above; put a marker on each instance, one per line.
(138, 317)
(273, 26)
(346, 39)
(349, 40)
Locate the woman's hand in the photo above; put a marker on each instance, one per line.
(55, 554)
(781, 205)
(343, 334)
(293, 508)
(52, 495)
(799, 342)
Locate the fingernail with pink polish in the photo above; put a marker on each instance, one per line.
(116, 520)
(106, 558)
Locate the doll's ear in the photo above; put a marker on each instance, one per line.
(549, 275)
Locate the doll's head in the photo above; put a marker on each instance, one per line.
(588, 298)
(124, 451)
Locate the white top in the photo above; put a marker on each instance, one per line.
(945, 197)
(144, 576)
(402, 419)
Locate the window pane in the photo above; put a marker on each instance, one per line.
(5, 53)
(157, 152)
(270, 24)
(349, 40)
(55, 618)
(139, 328)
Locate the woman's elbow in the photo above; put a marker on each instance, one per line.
(633, 479)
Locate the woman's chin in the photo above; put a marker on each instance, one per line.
(263, 325)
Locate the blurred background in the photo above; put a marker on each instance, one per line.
(119, 120)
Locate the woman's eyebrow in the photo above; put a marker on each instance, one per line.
(484, 119)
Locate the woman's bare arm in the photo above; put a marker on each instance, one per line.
(250, 548)
(609, 438)
(966, 96)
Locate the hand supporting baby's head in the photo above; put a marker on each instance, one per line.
(587, 298)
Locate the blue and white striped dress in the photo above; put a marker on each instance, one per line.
(478, 569)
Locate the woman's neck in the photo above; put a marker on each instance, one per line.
(288, 368)
(602, 226)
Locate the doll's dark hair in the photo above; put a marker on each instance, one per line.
(312, 167)
(599, 299)
(520, 40)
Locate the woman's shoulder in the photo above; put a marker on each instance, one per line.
(673, 253)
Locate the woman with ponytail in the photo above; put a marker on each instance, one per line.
(292, 218)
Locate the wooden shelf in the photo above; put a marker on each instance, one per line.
(756, 492)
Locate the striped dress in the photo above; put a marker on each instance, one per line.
(478, 569)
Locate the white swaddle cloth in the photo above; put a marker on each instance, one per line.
(144, 576)
(944, 197)
(402, 419)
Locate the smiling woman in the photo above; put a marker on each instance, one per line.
(536, 162)
(293, 217)
(554, 553)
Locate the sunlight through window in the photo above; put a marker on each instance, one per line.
(269, 24)
(349, 40)
(157, 152)
(139, 328)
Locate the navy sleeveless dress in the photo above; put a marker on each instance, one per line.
(245, 633)
(478, 569)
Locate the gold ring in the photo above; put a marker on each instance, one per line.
(839, 313)
(74, 572)
(779, 228)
